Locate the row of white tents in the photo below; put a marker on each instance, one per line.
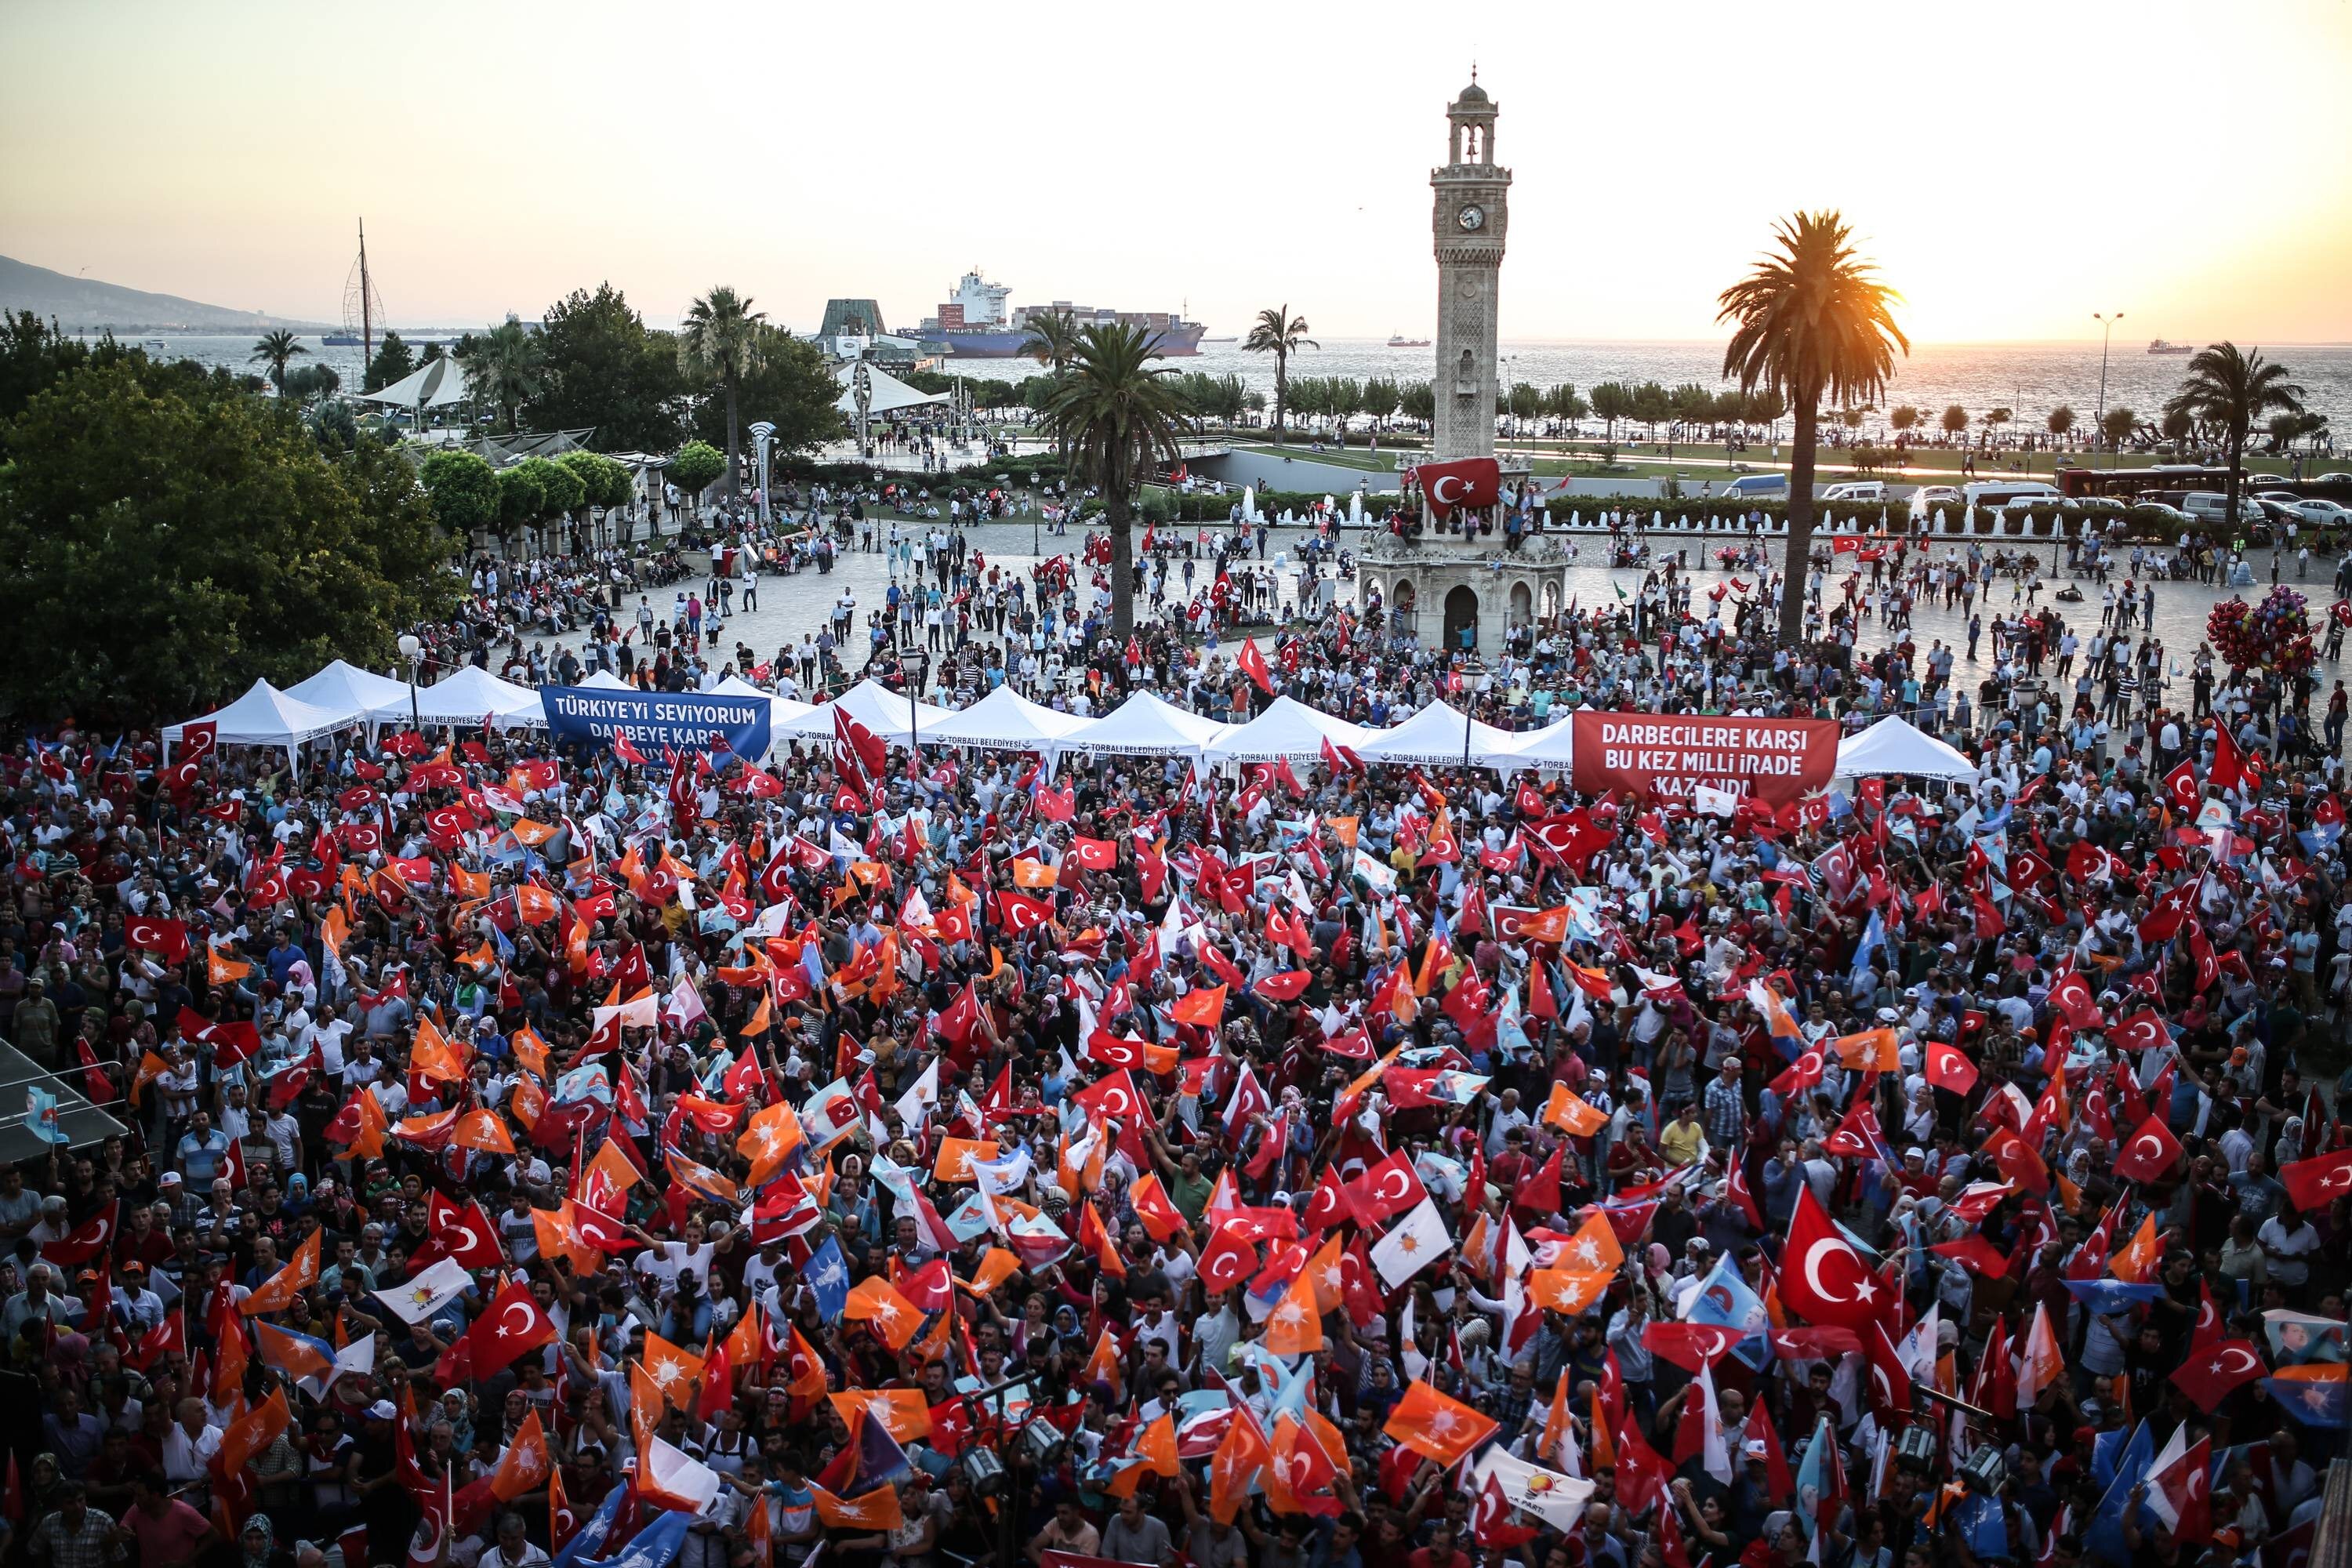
(343, 697)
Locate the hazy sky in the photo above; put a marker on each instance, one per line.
(2011, 167)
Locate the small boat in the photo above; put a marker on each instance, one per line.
(1220, 340)
(1399, 340)
(2161, 347)
(341, 339)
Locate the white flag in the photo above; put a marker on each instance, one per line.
(1714, 1453)
(428, 1292)
(1714, 802)
(1418, 1240)
(915, 1105)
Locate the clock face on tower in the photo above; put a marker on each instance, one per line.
(1472, 217)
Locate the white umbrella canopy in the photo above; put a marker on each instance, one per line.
(342, 685)
(1287, 728)
(1435, 736)
(1144, 725)
(1006, 719)
(464, 698)
(266, 716)
(888, 713)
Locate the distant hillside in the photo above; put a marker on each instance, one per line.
(84, 304)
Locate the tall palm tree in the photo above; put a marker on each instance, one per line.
(275, 350)
(1118, 414)
(1281, 334)
(1811, 321)
(2230, 388)
(504, 365)
(1053, 339)
(720, 340)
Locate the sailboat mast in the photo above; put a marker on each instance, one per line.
(367, 319)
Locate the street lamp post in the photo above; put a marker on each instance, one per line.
(2106, 330)
(410, 648)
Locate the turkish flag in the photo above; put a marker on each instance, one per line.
(2072, 995)
(511, 1324)
(169, 938)
(2180, 784)
(1388, 1189)
(1822, 1276)
(85, 1241)
(2151, 1152)
(1949, 1067)
(1251, 663)
(1284, 986)
(2313, 1183)
(464, 1233)
(1226, 1261)
(2210, 1374)
(1095, 854)
(1466, 481)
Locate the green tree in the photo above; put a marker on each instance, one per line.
(220, 543)
(2117, 425)
(1902, 417)
(522, 500)
(1417, 401)
(393, 360)
(2228, 389)
(1612, 401)
(1053, 339)
(720, 342)
(788, 386)
(1693, 406)
(464, 492)
(1380, 399)
(1765, 405)
(605, 371)
(504, 367)
(1956, 419)
(561, 493)
(1119, 416)
(1281, 334)
(1811, 323)
(275, 351)
(604, 484)
(308, 382)
(1652, 406)
(695, 467)
(1994, 419)
(1527, 400)
(2060, 420)
(1564, 402)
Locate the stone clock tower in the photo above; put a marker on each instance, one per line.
(1469, 221)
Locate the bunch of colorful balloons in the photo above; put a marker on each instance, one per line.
(2274, 635)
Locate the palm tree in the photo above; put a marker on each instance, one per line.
(720, 338)
(504, 365)
(2231, 389)
(1812, 322)
(1117, 414)
(1053, 339)
(1281, 334)
(274, 350)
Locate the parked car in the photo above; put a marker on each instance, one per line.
(1856, 491)
(2212, 506)
(1926, 497)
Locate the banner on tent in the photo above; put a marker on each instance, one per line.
(1669, 757)
(677, 720)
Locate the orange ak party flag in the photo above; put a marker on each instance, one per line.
(675, 1372)
(877, 1510)
(1571, 1114)
(557, 1232)
(524, 1466)
(900, 1412)
(222, 971)
(955, 1157)
(894, 1317)
(996, 1265)
(1201, 1006)
(1295, 1327)
(277, 1292)
(1438, 1427)
(769, 1140)
(1239, 1458)
(485, 1131)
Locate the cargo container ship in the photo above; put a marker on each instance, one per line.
(975, 325)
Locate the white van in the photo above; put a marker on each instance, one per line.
(1995, 494)
(2213, 506)
(1856, 491)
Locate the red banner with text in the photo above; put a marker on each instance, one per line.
(1671, 757)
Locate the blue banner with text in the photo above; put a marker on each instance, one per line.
(656, 721)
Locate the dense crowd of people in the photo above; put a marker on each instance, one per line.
(959, 1160)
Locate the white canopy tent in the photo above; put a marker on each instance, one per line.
(605, 681)
(342, 685)
(887, 393)
(1143, 725)
(1435, 736)
(266, 716)
(1548, 750)
(1287, 728)
(440, 385)
(888, 713)
(1009, 721)
(781, 710)
(1895, 745)
(464, 698)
